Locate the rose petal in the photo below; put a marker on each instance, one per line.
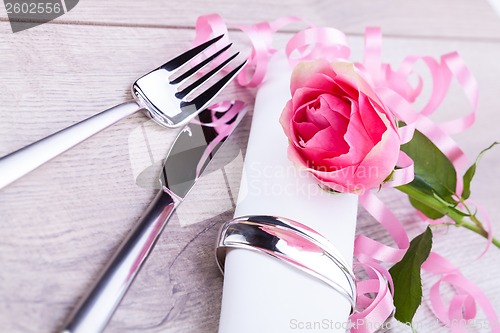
(380, 161)
(286, 117)
(339, 180)
(305, 131)
(374, 126)
(303, 71)
(319, 113)
(329, 140)
(300, 114)
(337, 104)
(385, 111)
(310, 93)
(357, 139)
(347, 74)
(327, 84)
(356, 136)
(314, 158)
(371, 172)
(313, 115)
(334, 120)
(302, 129)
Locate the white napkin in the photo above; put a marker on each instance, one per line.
(260, 293)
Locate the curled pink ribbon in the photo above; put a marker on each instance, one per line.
(396, 92)
(220, 124)
(462, 307)
(375, 303)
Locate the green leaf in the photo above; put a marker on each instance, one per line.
(435, 177)
(469, 174)
(431, 204)
(406, 277)
(428, 211)
(432, 167)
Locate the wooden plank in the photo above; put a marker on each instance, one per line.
(452, 18)
(61, 223)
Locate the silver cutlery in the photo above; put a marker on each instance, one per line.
(192, 151)
(157, 93)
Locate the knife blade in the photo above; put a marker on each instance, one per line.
(192, 151)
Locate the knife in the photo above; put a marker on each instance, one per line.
(192, 151)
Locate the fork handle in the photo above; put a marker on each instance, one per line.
(95, 309)
(17, 164)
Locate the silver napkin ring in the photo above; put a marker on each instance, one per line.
(292, 243)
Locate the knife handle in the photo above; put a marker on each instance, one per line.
(95, 309)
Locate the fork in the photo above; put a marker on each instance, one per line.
(156, 92)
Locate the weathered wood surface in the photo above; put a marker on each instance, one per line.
(459, 18)
(60, 224)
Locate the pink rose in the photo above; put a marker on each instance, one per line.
(338, 128)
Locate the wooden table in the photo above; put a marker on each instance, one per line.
(60, 224)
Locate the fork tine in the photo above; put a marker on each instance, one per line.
(206, 97)
(202, 64)
(184, 92)
(188, 55)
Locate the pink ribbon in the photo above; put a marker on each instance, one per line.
(397, 94)
(365, 246)
(208, 27)
(462, 307)
(375, 304)
(221, 126)
(371, 312)
(315, 43)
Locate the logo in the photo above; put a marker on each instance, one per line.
(26, 14)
